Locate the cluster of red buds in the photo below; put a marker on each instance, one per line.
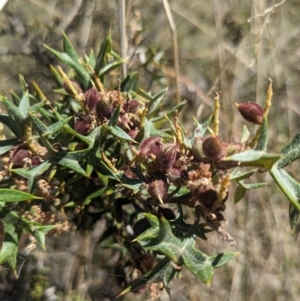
(98, 108)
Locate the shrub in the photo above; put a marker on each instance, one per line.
(106, 148)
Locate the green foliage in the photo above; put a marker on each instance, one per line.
(102, 148)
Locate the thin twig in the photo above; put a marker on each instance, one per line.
(175, 47)
(123, 41)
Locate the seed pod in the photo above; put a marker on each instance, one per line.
(213, 148)
(197, 148)
(20, 156)
(150, 146)
(252, 112)
(167, 156)
(131, 106)
(158, 188)
(92, 97)
(104, 106)
(82, 126)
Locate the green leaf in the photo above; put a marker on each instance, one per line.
(82, 73)
(24, 104)
(252, 185)
(57, 126)
(7, 145)
(40, 126)
(290, 152)
(255, 158)
(289, 186)
(201, 128)
(196, 261)
(239, 193)
(96, 193)
(104, 51)
(109, 67)
(263, 136)
(236, 175)
(245, 134)
(164, 271)
(15, 112)
(5, 119)
(119, 133)
(12, 195)
(10, 246)
(129, 82)
(70, 163)
(69, 49)
(294, 215)
(222, 258)
(115, 116)
(159, 237)
(104, 170)
(155, 101)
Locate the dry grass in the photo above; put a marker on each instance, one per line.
(231, 46)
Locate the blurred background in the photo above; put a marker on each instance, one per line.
(232, 46)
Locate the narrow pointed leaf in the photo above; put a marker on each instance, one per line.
(14, 112)
(69, 49)
(115, 116)
(249, 186)
(201, 128)
(155, 101)
(56, 127)
(24, 104)
(239, 193)
(289, 186)
(129, 82)
(11, 195)
(82, 73)
(236, 175)
(255, 158)
(263, 136)
(104, 50)
(119, 133)
(5, 119)
(245, 134)
(7, 145)
(71, 164)
(290, 153)
(109, 67)
(222, 258)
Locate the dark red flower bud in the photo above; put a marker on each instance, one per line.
(252, 112)
(92, 97)
(213, 148)
(75, 85)
(104, 106)
(82, 126)
(150, 146)
(20, 156)
(167, 156)
(158, 188)
(131, 106)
